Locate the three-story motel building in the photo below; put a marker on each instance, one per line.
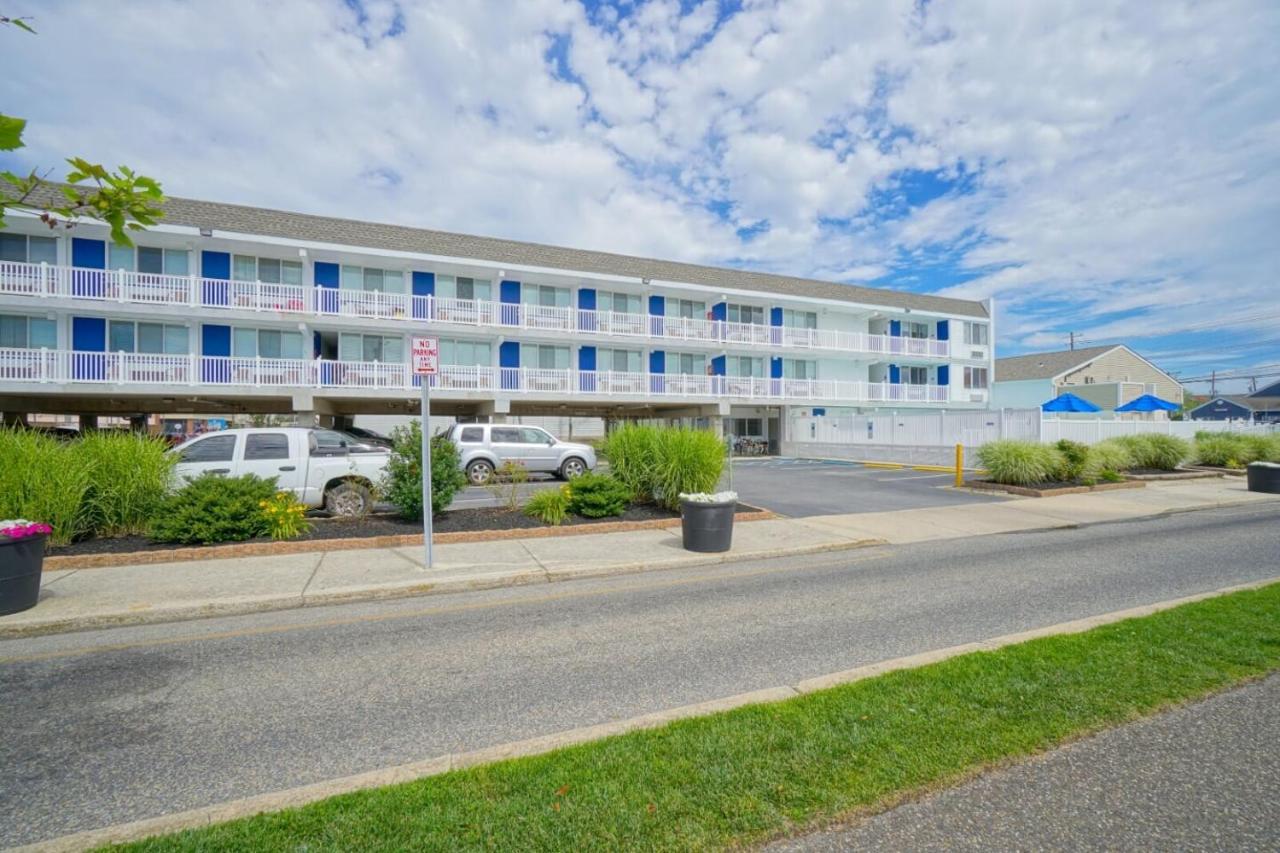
(228, 309)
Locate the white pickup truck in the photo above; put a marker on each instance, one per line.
(317, 465)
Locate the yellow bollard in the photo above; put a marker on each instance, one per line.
(959, 465)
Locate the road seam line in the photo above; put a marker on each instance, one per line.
(303, 795)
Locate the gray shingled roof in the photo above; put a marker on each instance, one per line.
(325, 229)
(1045, 365)
(1248, 401)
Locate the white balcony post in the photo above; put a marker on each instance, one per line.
(44, 272)
(191, 368)
(193, 290)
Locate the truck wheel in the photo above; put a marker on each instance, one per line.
(572, 467)
(348, 499)
(479, 472)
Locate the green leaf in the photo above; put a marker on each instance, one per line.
(11, 132)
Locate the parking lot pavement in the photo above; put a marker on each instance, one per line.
(805, 487)
(473, 497)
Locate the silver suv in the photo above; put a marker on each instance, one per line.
(485, 447)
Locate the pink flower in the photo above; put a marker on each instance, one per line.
(22, 529)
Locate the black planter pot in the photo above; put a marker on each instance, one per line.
(1264, 477)
(21, 561)
(707, 528)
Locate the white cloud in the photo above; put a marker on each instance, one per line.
(1122, 168)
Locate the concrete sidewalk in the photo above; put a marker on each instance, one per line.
(159, 592)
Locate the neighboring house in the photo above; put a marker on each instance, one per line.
(230, 309)
(1107, 376)
(1240, 407)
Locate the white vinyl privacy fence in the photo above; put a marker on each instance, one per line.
(973, 429)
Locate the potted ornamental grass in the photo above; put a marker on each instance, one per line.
(21, 561)
(706, 520)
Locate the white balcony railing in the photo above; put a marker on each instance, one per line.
(156, 372)
(45, 281)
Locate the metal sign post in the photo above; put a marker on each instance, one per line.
(426, 363)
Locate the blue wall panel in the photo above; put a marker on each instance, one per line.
(895, 374)
(720, 311)
(718, 366)
(91, 254)
(775, 367)
(424, 284)
(587, 299)
(509, 356)
(657, 361)
(88, 336)
(215, 341)
(944, 330)
(895, 328)
(944, 375)
(215, 267)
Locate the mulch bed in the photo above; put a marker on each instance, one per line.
(1048, 490)
(373, 531)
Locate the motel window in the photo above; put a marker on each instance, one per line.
(265, 343)
(266, 270)
(687, 309)
(463, 287)
(153, 338)
(460, 353)
(28, 250)
(618, 360)
(544, 295)
(354, 347)
(799, 319)
(19, 332)
(975, 377)
(689, 364)
(975, 334)
(748, 427)
(619, 303)
(544, 357)
(148, 259)
(796, 368)
(753, 314)
(742, 365)
(371, 279)
(915, 375)
(915, 330)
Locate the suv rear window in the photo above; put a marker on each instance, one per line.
(472, 435)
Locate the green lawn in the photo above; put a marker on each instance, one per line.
(755, 772)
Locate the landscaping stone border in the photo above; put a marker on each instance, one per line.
(1177, 475)
(267, 549)
(1221, 472)
(1049, 493)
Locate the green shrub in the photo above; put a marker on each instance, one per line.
(686, 461)
(598, 496)
(632, 451)
(42, 479)
(1020, 463)
(1159, 452)
(549, 506)
(1074, 458)
(1107, 457)
(129, 476)
(402, 482)
(1263, 448)
(212, 509)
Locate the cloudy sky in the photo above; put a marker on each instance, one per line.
(1108, 168)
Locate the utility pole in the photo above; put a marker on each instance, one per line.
(1073, 340)
(1213, 383)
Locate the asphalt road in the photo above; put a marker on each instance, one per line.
(804, 487)
(1202, 777)
(110, 726)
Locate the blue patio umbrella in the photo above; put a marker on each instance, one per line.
(1148, 403)
(1069, 403)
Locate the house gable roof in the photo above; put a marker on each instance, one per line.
(1272, 390)
(1046, 365)
(1245, 401)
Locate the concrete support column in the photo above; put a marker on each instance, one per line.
(308, 419)
(15, 419)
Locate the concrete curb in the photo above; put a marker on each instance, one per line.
(300, 796)
(416, 589)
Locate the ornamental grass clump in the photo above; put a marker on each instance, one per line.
(632, 451)
(1222, 450)
(1156, 452)
(129, 476)
(687, 461)
(550, 506)
(45, 479)
(1106, 459)
(1020, 463)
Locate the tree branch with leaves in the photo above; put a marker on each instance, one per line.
(123, 199)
